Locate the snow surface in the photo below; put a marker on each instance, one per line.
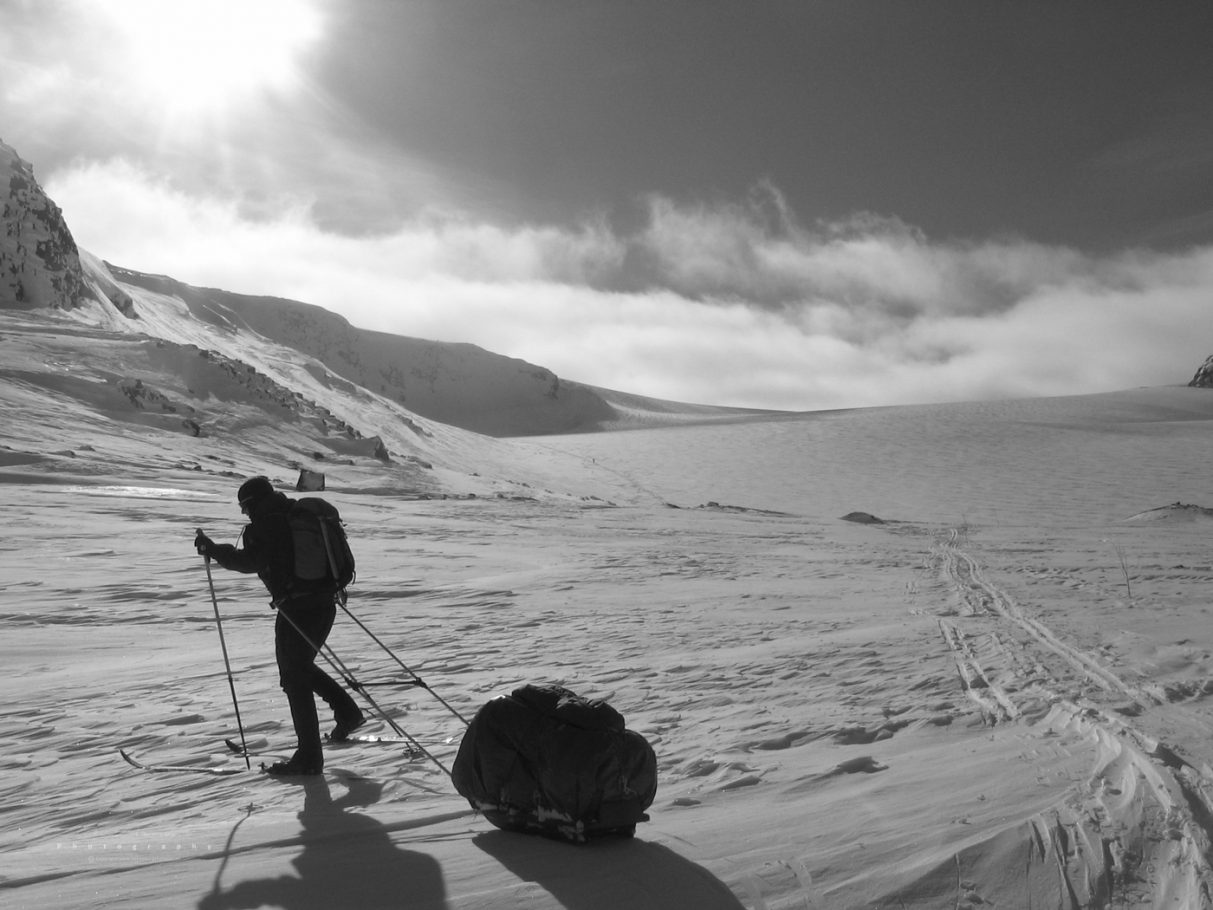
(998, 696)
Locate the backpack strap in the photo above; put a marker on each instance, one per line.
(328, 549)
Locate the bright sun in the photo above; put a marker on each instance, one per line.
(197, 56)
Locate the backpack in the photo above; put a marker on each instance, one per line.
(323, 562)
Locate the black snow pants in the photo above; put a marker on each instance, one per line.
(298, 674)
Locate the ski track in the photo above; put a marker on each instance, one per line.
(1138, 831)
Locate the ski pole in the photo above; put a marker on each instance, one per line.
(231, 683)
(417, 680)
(344, 672)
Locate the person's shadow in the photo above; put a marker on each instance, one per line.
(348, 860)
(614, 872)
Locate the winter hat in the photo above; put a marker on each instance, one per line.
(253, 490)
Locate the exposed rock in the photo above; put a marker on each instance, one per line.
(39, 260)
(309, 481)
(863, 518)
(143, 396)
(1175, 513)
(1204, 376)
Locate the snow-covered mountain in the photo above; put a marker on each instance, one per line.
(459, 384)
(282, 380)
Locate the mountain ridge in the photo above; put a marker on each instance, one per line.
(205, 379)
(456, 383)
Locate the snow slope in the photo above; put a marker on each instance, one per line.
(1012, 710)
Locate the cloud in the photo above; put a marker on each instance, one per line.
(734, 304)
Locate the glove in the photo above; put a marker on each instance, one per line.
(203, 544)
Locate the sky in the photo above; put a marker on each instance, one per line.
(787, 205)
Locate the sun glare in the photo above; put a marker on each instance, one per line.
(206, 55)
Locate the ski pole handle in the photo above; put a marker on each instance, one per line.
(203, 544)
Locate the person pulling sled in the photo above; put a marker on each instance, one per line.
(299, 551)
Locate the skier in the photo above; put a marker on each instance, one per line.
(303, 623)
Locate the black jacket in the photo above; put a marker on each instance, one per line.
(267, 548)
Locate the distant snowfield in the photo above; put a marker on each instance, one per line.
(1050, 461)
(138, 492)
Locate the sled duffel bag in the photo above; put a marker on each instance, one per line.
(543, 760)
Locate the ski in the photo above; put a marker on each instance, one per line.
(356, 739)
(370, 738)
(196, 769)
(411, 749)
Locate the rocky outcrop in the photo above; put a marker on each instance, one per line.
(39, 261)
(1204, 376)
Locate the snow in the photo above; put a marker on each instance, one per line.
(999, 696)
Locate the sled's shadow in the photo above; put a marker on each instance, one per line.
(615, 872)
(348, 860)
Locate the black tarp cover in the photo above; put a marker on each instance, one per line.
(544, 760)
